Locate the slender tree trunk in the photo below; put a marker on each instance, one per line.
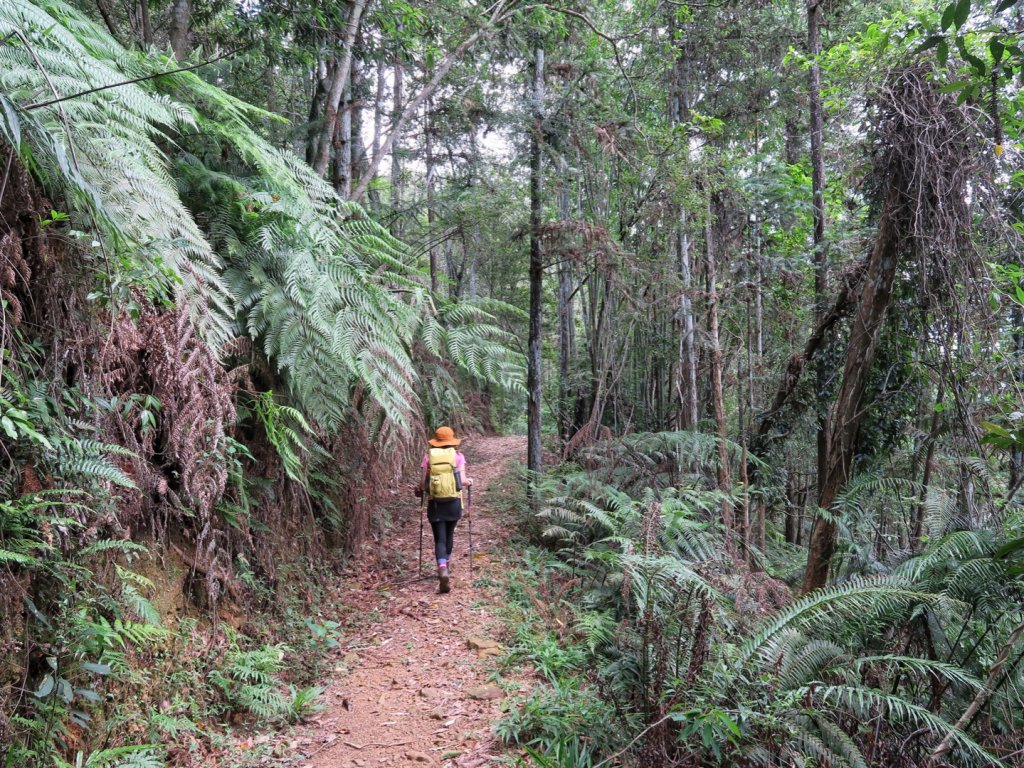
(533, 375)
(428, 131)
(316, 106)
(866, 329)
(357, 100)
(929, 466)
(792, 516)
(378, 108)
(818, 205)
(565, 315)
(395, 148)
(343, 147)
(147, 23)
(339, 82)
(108, 19)
(686, 368)
(1017, 457)
(378, 124)
(717, 397)
(181, 15)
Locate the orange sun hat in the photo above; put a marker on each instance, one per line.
(443, 437)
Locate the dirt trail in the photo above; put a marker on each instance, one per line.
(415, 693)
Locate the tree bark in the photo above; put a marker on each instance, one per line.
(847, 413)
(147, 24)
(533, 375)
(717, 397)
(929, 467)
(1017, 457)
(339, 82)
(378, 124)
(356, 102)
(818, 206)
(342, 146)
(686, 368)
(397, 103)
(108, 19)
(316, 105)
(565, 315)
(428, 131)
(181, 14)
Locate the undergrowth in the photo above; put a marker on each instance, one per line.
(630, 613)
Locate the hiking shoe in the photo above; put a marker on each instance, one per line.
(442, 576)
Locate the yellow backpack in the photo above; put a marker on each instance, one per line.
(443, 481)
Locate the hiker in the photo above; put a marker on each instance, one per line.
(442, 478)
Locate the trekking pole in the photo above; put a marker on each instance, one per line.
(469, 509)
(419, 568)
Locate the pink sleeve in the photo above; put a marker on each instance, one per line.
(426, 461)
(460, 461)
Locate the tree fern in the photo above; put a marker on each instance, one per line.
(100, 152)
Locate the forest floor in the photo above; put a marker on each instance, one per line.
(419, 687)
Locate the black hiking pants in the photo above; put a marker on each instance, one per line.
(443, 517)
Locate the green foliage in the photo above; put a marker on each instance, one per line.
(286, 429)
(636, 621)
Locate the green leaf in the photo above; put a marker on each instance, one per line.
(942, 52)
(8, 426)
(963, 10)
(996, 48)
(947, 16)
(46, 687)
(1005, 4)
(1009, 548)
(99, 669)
(979, 66)
(929, 42)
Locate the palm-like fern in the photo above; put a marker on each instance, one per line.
(798, 686)
(100, 152)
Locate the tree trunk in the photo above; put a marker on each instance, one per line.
(378, 124)
(428, 131)
(533, 362)
(181, 14)
(565, 315)
(397, 103)
(357, 100)
(818, 206)
(847, 414)
(343, 147)
(717, 397)
(686, 367)
(929, 467)
(1017, 457)
(792, 512)
(339, 82)
(147, 24)
(108, 19)
(316, 105)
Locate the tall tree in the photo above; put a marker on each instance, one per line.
(534, 360)
(814, 14)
